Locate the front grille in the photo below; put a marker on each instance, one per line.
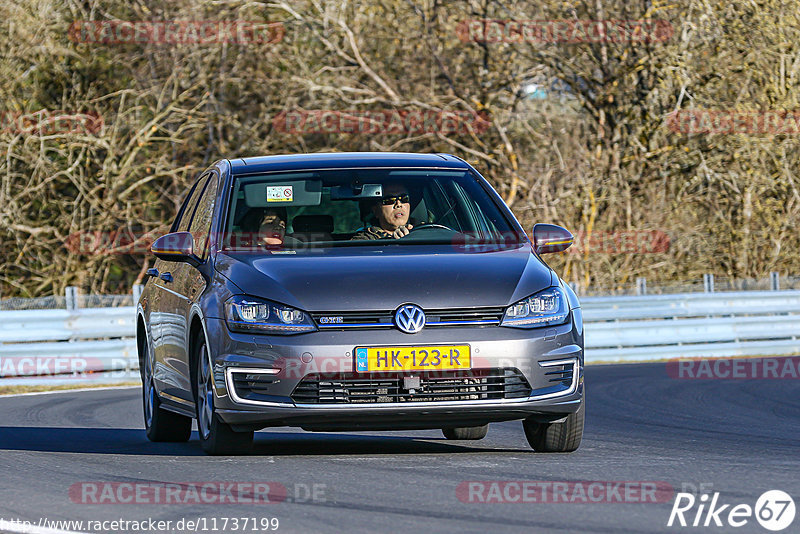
(434, 386)
(434, 318)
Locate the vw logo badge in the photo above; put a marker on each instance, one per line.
(409, 318)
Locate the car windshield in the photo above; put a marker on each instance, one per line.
(292, 211)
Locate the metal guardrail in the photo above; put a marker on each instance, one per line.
(66, 325)
(75, 343)
(57, 343)
(690, 325)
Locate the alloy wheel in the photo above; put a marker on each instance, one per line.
(205, 394)
(149, 388)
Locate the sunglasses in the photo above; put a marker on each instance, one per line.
(388, 201)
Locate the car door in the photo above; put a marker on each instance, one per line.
(154, 313)
(189, 283)
(168, 372)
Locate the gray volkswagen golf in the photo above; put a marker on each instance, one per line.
(356, 291)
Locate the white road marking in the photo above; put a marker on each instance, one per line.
(2, 395)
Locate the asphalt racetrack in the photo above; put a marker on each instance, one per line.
(736, 437)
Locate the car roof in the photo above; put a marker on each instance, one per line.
(339, 160)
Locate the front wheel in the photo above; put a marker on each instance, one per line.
(216, 436)
(466, 432)
(160, 424)
(556, 437)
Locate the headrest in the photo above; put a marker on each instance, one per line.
(307, 224)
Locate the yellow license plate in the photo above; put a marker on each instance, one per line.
(416, 358)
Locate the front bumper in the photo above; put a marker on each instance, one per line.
(291, 358)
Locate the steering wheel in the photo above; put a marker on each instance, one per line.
(431, 225)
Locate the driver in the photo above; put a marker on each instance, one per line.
(391, 213)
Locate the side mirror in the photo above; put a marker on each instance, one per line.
(551, 238)
(177, 246)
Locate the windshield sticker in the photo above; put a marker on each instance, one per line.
(279, 193)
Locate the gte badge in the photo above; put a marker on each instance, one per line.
(361, 360)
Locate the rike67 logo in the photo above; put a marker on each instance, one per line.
(774, 510)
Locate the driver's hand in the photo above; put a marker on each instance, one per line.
(402, 231)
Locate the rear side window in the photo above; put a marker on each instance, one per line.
(200, 226)
(188, 209)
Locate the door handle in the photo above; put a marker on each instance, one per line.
(167, 277)
(152, 271)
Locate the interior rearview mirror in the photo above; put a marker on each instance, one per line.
(356, 191)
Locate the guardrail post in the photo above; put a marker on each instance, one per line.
(71, 294)
(775, 281)
(708, 283)
(641, 286)
(137, 292)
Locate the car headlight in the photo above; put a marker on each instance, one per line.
(249, 314)
(545, 308)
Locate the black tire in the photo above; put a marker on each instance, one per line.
(466, 432)
(216, 437)
(556, 437)
(160, 424)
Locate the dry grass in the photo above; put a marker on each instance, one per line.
(596, 157)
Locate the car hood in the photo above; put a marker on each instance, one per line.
(378, 279)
